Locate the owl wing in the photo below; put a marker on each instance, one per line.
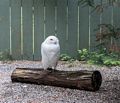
(55, 54)
(55, 57)
(44, 54)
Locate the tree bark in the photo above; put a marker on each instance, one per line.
(83, 79)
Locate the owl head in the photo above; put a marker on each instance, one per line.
(51, 40)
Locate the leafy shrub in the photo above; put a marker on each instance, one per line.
(65, 57)
(101, 57)
(111, 60)
(83, 54)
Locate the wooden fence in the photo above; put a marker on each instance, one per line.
(24, 24)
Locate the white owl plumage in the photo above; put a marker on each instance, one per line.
(50, 51)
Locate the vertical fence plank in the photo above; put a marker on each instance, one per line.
(61, 24)
(55, 11)
(72, 27)
(15, 28)
(89, 28)
(84, 27)
(50, 17)
(39, 27)
(78, 26)
(101, 15)
(112, 22)
(10, 37)
(4, 25)
(116, 18)
(108, 15)
(27, 29)
(95, 21)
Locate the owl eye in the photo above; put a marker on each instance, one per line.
(51, 39)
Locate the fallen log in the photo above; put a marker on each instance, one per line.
(83, 79)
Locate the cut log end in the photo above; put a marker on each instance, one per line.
(96, 80)
(82, 80)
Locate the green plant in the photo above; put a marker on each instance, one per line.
(83, 54)
(5, 56)
(110, 61)
(65, 57)
(96, 58)
(101, 57)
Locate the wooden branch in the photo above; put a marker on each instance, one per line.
(83, 79)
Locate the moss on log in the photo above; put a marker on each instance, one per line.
(82, 80)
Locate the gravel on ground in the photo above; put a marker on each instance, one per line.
(29, 93)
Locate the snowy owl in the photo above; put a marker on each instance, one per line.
(50, 51)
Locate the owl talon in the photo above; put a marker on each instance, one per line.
(49, 69)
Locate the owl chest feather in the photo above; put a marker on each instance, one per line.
(52, 50)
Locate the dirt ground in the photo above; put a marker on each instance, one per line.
(29, 93)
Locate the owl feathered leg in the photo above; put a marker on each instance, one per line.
(54, 68)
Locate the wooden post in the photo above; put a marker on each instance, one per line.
(83, 79)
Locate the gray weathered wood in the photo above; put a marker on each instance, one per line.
(83, 80)
(66, 20)
(16, 28)
(27, 29)
(61, 24)
(50, 17)
(4, 25)
(95, 21)
(72, 23)
(83, 27)
(39, 27)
